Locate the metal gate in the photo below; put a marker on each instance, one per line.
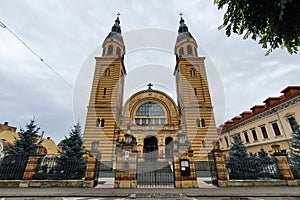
(155, 179)
(155, 174)
(213, 169)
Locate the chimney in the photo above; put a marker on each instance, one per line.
(257, 108)
(271, 101)
(246, 114)
(6, 123)
(290, 90)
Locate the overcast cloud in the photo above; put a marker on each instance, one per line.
(65, 32)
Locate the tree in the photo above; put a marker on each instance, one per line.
(275, 22)
(295, 151)
(26, 144)
(70, 161)
(238, 150)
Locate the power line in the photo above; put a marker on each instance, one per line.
(39, 57)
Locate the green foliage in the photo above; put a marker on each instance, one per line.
(70, 160)
(26, 144)
(238, 150)
(275, 22)
(295, 151)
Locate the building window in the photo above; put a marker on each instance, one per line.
(276, 129)
(150, 121)
(163, 121)
(110, 49)
(150, 109)
(189, 49)
(195, 51)
(254, 134)
(104, 91)
(195, 91)
(292, 122)
(198, 123)
(181, 53)
(95, 145)
(226, 140)
(264, 131)
(102, 123)
(137, 121)
(103, 53)
(246, 137)
(97, 122)
(192, 72)
(203, 144)
(118, 51)
(156, 121)
(144, 121)
(202, 122)
(107, 72)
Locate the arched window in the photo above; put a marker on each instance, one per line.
(181, 53)
(198, 122)
(189, 49)
(102, 122)
(97, 122)
(104, 91)
(195, 91)
(192, 72)
(107, 72)
(202, 122)
(150, 109)
(151, 114)
(118, 51)
(110, 49)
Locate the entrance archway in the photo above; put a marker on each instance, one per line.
(150, 149)
(169, 147)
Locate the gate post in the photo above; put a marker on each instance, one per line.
(220, 168)
(285, 170)
(185, 173)
(89, 178)
(126, 170)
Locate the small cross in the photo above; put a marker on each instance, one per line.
(180, 14)
(149, 86)
(118, 15)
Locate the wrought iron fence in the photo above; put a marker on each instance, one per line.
(54, 168)
(253, 168)
(295, 168)
(13, 167)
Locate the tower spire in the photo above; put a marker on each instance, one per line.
(116, 27)
(182, 26)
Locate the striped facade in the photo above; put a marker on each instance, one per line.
(108, 120)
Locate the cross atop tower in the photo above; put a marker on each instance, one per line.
(149, 86)
(180, 14)
(118, 15)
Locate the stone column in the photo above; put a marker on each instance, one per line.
(285, 170)
(126, 170)
(184, 181)
(220, 168)
(89, 178)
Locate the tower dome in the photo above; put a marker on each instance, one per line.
(113, 45)
(186, 45)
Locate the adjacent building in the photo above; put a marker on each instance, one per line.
(266, 124)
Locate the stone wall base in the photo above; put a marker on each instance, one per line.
(186, 184)
(125, 184)
(42, 183)
(256, 183)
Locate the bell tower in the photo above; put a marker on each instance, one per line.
(106, 99)
(193, 96)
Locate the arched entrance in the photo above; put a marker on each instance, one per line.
(150, 149)
(169, 148)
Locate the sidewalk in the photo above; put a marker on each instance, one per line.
(152, 192)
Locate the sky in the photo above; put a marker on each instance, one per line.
(67, 34)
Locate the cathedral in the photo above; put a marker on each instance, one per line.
(151, 117)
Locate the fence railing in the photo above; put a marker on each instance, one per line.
(253, 168)
(12, 167)
(54, 168)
